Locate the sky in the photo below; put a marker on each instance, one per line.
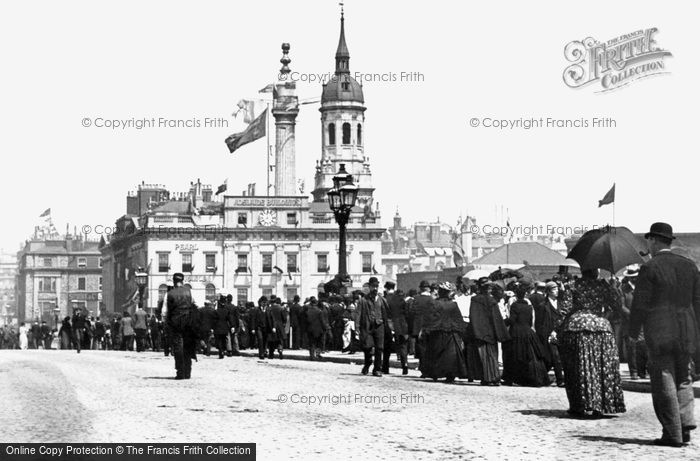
(185, 60)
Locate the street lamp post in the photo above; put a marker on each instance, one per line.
(341, 200)
(141, 277)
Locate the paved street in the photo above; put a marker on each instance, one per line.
(60, 396)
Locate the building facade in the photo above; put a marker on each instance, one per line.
(247, 245)
(57, 276)
(8, 295)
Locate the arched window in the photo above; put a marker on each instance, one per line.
(359, 134)
(331, 134)
(162, 291)
(210, 292)
(346, 133)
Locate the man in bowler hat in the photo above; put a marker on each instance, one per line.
(667, 305)
(373, 321)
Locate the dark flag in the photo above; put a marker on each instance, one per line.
(609, 197)
(221, 188)
(45, 213)
(255, 130)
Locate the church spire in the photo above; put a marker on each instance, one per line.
(342, 55)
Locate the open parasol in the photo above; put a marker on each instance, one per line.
(608, 248)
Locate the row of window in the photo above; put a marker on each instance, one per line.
(48, 284)
(82, 262)
(346, 134)
(267, 265)
(292, 219)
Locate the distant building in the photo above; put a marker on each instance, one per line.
(56, 276)
(426, 246)
(8, 276)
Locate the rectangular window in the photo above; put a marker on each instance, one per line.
(291, 293)
(242, 296)
(267, 292)
(100, 286)
(81, 283)
(266, 262)
(292, 262)
(82, 262)
(210, 261)
(243, 218)
(292, 219)
(100, 262)
(322, 263)
(47, 262)
(366, 263)
(187, 262)
(47, 284)
(242, 263)
(163, 262)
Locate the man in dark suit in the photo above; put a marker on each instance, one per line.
(208, 318)
(548, 317)
(316, 326)
(221, 326)
(276, 318)
(184, 324)
(373, 323)
(295, 322)
(258, 325)
(422, 303)
(667, 305)
(78, 323)
(232, 346)
(46, 335)
(397, 314)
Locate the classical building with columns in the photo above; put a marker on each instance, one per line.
(247, 245)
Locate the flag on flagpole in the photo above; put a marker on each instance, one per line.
(271, 88)
(609, 197)
(46, 212)
(222, 188)
(250, 108)
(255, 130)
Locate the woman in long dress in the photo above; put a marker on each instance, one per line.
(524, 355)
(65, 333)
(588, 350)
(485, 330)
(23, 338)
(443, 329)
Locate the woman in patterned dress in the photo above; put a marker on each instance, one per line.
(588, 351)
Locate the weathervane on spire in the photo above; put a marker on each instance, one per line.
(342, 11)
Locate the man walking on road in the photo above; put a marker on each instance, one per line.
(373, 321)
(78, 324)
(667, 305)
(183, 322)
(140, 328)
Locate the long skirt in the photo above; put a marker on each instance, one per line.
(482, 361)
(591, 371)
(523, 359)
(444, 356)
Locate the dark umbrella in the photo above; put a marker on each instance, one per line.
(609, 248)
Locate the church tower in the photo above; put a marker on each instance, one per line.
(343, 130)
(285, 110)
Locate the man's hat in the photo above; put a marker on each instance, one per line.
(630, 273)
(373, 281)
(540, 285)
(483, 281)
(389, 285)
(660, 229)
(178, 277)
(551, 285)
(424, 284)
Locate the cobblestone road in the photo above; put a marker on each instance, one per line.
(61, 396)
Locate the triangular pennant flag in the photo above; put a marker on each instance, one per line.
(609, 197)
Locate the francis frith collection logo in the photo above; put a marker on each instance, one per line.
(616, 62)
